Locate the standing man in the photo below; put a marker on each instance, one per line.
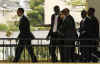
(24, 37)
(83, 36)
(93, 33)
(90, 30)
(55, 22)
(69, 31)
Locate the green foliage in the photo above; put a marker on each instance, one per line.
(42, 53)
(78, 2)
(3, 27)
(36, 15)
(10, 58)
(34, 3)
(12, 26)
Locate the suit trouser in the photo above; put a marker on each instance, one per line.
(52, 50)
(87, 51)
(96, 52)
(53, 46)
(67, 51)
(21, 45)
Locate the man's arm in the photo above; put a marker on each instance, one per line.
(85, 25)
(51, 27)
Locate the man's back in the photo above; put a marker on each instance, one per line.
(24, 27)
(92, 27)
(68, 27)
(95, 27)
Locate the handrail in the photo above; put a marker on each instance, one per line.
(52, 39)
(14, 44)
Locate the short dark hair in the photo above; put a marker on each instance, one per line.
(83, 11)
(66, 10)
(92, 9)
(21, 9)
(55, 7)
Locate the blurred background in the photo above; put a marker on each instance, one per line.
(39, 14)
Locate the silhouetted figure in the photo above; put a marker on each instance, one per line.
(94, 32)
(69, 32)
(53, 35)
(82, 36)
(90, 32)
(24, 37)
(61, 35)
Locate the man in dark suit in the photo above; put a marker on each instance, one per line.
(90, 32)
(83, 35)
(24, 37)
(53, 35)
(95, 28)
(69, 33)
(93, 33)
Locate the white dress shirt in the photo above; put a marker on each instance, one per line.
(55, 23)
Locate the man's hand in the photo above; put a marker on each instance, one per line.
(83, 32)
(47, 38)
(16, 39)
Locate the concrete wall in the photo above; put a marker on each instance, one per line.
(96, 5)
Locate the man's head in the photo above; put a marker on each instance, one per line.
(91, 12)
(66, 11)
(62, 15)
(56, 9)
(83, 14)
(20, 11)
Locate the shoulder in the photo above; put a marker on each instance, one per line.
(24, 17)
(70, 17)
(95, 18)
(87, 19)
(52, 15)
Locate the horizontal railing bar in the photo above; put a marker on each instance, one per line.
(13, 45)
(8, 38)
(48, 39)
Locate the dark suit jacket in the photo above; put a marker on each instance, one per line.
(81, 29)
(50, 34)
(24, 27)
(91, 28)
(68, 28)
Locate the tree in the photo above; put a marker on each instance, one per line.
(78, 2)
(36, 14)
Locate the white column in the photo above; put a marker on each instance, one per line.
(96, 5)
(48, 11)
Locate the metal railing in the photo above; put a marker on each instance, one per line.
(41, 49)
(8, 45)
